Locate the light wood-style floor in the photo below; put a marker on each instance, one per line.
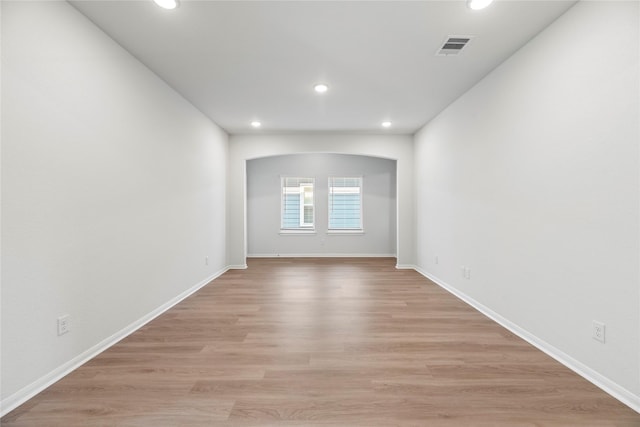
(322, 342)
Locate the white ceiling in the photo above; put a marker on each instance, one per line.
(239, 61)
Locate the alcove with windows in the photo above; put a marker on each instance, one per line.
(322, 205)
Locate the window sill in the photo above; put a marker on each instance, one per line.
(345, 231)
(297, 232)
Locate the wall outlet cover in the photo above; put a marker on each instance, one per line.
(598, 332)
(64, 324)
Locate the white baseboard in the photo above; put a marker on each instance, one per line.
(321, 255)
(237, 267)
(18, 398)
(406, 267)
(622, 394)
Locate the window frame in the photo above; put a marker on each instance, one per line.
(304, 204)
(302, 228)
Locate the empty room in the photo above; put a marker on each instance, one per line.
(320, 213)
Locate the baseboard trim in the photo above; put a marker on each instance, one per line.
(620, 393)
(21, 396)
(321, 255)
(406, 267)
(237, 267)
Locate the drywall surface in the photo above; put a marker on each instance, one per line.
(113, 192)
(247, 147)
(531, 180)
(264, 200)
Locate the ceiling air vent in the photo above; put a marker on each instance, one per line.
(453, 45)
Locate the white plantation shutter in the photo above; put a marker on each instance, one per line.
(297, 203)
(345, 203)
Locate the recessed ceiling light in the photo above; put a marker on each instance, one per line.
(321, 88)
(386, 124)
(256, 124)
(167, 4)
(478, 4)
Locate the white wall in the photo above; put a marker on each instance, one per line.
(531, 179)
(113, 193)
(246, 147)
(264, 205)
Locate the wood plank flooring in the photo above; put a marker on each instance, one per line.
(322, 342)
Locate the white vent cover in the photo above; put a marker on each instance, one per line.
(453, 45)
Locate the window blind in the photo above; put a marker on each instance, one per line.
(345, 203)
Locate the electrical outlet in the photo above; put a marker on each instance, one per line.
(598, 331)
(465, 271)
(437, 260)
(64, 324)
(206, 260)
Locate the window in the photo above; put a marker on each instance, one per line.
(345, 203)
(297, 203)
